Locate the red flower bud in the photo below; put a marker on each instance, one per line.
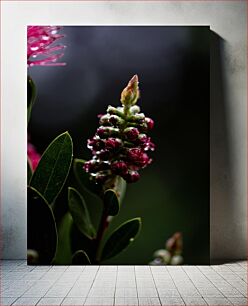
(103, 154)
(116, 120)
(119, 168)
(150, 123)
(104, 132)
(95, 144)
(145, 142)
(113, 143)
(104, 120)
(131, 133)
(131, 176)
(90, 166)
(138, 158)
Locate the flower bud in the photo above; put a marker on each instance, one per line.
(137, 118)
(176, 260)
(104, 132)
(131, 133)
(95, 144)
(138, 158)
(103, 154)
(115, 111)
(163, 254)
(131, 176)
(130, 94)
(104, 120)
(135, 109)
(145, 142)
(119, 168)
(113, 143)
(175, 243)
(32, 257)
(150, 123)
(116, 120)
(90, 166)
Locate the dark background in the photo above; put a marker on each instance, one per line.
(173, 67)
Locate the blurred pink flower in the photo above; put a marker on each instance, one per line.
(39, 44)
(33, 156)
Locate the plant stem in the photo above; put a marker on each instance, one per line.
(102, 227)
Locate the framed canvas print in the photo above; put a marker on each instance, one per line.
(118, 145)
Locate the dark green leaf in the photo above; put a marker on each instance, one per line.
(31, 94)
(80, 258)
(53, 168)
(111, 202)
(118, 184)
(42, 232)
(64, 253)
(121, 238)
(29, 171)
(84, 178)
(80, 213)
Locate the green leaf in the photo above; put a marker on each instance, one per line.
(31, 95)
(42, 232)
(118, 184)
(29, 171)
(80, 213)
(53, 168)
(83, 178)
(121, 238)
(64, 253)
(111, 202)
(80, 258)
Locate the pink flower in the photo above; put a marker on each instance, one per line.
(33, 156)
(40, 51)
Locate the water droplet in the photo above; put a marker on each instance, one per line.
(34, 48)
(45, 37)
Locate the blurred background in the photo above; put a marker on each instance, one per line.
(173, 68)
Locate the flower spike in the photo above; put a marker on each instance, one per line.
(120, 144)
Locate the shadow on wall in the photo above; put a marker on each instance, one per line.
(223, 227)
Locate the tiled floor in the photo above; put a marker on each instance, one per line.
(123, 285)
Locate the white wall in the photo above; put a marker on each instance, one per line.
(228, 104)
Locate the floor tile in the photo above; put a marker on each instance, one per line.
(147, 292)
(149, 301)
(217, 301)
(166, 301)
(238, 301)
(102, 292)
(121, 301)
(26, 301)
(194, 301)
(50, 301)
(7, 301)
(164, 292)
(73, 301)
(99, 301)
(126, 292)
